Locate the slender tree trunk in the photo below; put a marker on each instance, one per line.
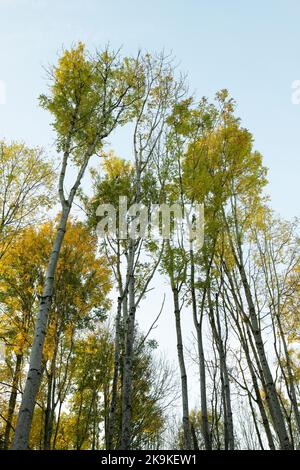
(272, 397)
(184, 388)
(290, 383)
(259, 401)
(113, 403)
(216, 415)
(216, 329)
(129, 322)
(48, 413)
(274, 404)
(50, 410)
(57, 425)
(203, 398)
(239, 320)
(127, 382)
(201, 357)
(255, 421)
(12, 400)
(194, 438)
(34, 374)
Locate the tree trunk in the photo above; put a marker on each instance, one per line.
(184, 389)
(239, 320)
(216, 329)
(202, 374)
(273, 401)
(129, 322)
(201, 357)
(34, 374)
(113, 403)
(290, 383)
(259, 401)
(49, 413)
(12, 400)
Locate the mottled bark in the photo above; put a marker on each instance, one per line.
(34, 374)
(129, 323)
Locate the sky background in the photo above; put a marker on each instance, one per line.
(250, 47)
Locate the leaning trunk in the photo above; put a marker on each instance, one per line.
(34, 374)
(216, 329)
(273, 402)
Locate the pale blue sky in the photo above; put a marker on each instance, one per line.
(250, 47)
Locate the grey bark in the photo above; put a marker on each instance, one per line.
(201, 357)
(183, 374)
(129, 322)
(290, 380)
(12, 401)
(258, 394)
(216, 330)
(113, 403)
(243, 339)
(21, 437)
(273, 401)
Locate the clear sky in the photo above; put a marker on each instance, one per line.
(250, 47)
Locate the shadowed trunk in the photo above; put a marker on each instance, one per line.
(12, 400)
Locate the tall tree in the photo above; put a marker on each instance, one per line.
(81, 287)
(89, 98)
(149, 114)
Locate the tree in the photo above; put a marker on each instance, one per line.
(89, 98)
(231, 175)
(80, 295)
(134, 180)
